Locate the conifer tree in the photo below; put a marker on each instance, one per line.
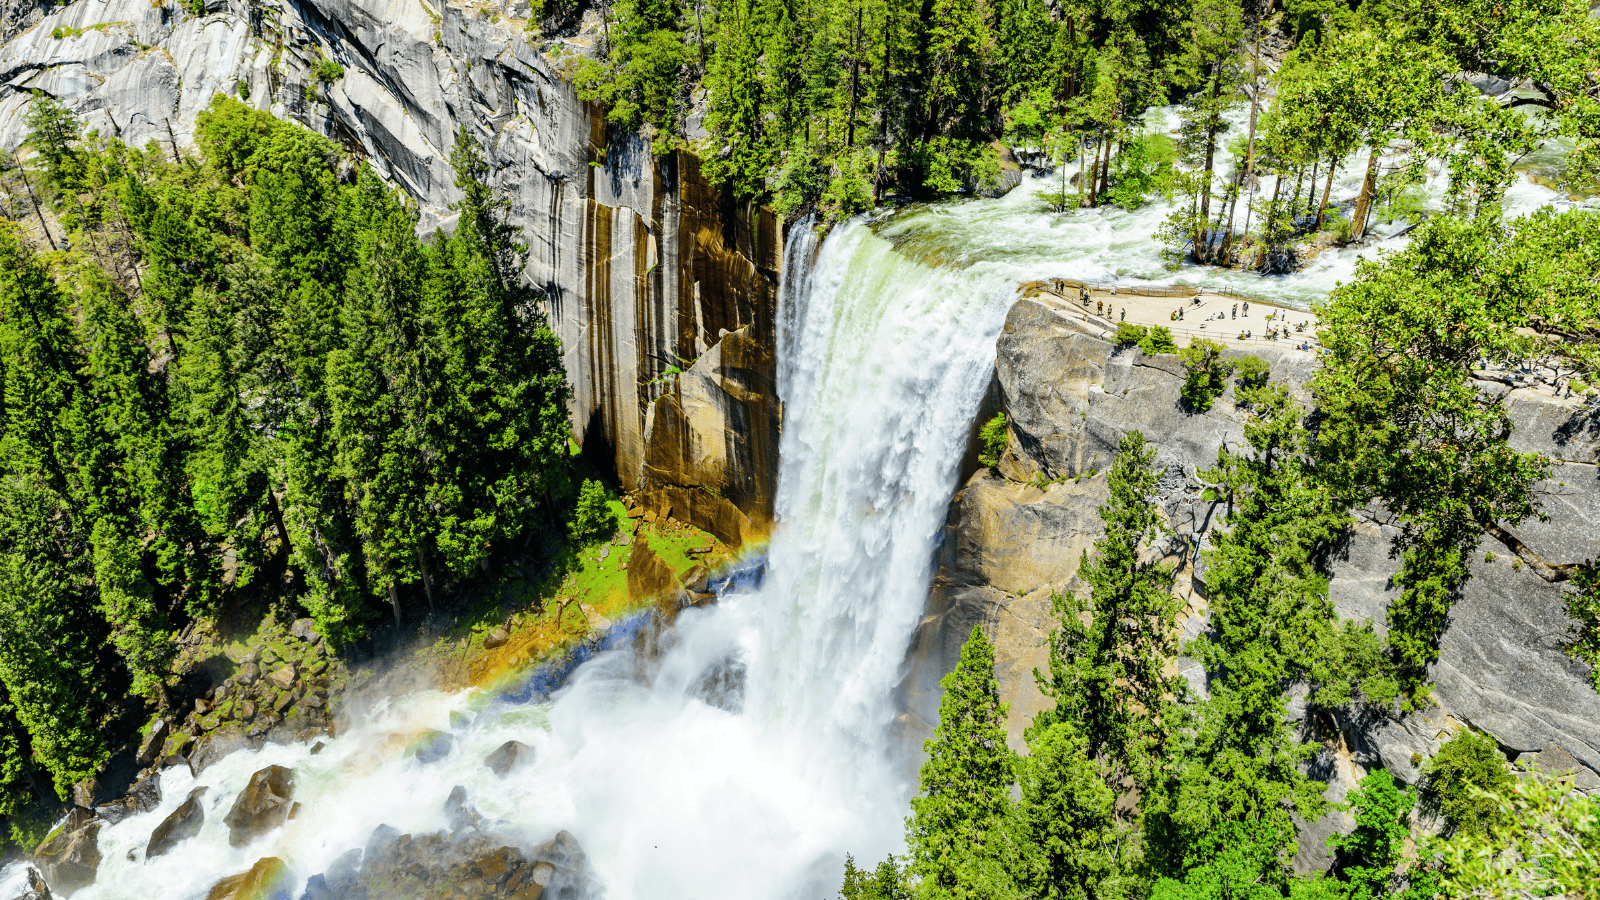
(1106, 673)
(959, 830)
(1074, 847)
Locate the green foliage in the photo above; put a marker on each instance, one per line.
(1463, 781)
(1369, 855)
(1240, 860)
(1583, 608)
(958, 824)
(592, 517)
(327, 71)
(1545, 842)
(1108, 651)
(1142, 170)
(1129, 334)
(1406, 421)
(1207, 374)
(52, 132)
(994, 437)
(886, 882)
(1073, 845)
(1249, 374)
(1157, 341)
(639, 81)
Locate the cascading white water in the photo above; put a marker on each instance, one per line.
(672, 790)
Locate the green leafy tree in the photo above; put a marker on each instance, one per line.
(957, 834)
(1109, 650)
(1462, 781)
(52, 133)
(1369, 855)
(1207, 374)
(1073, 844)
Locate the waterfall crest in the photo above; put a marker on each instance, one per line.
(755, 750)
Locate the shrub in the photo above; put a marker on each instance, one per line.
(1463, 780)
(243, 89)
(1249, 373)
(1208, 374)
(592, 518)
(1158, 341)
(328, 71)
(1129, 335)
(994, 438)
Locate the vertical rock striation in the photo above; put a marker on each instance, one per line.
(647, 270)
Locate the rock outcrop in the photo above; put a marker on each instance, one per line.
(262, 806)
(268, 879)
(183, 823)
(70, 858)
(647, 269)
(1069, 397)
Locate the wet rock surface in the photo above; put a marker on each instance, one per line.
(465, 864)
(70, 858)
(509, 756)
(263, 805)
(183, 823)
(268, 879)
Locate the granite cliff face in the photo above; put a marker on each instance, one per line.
(1069, 397)
(645, 266)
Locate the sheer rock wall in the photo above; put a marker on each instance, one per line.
(644, 265)
(1069, 398)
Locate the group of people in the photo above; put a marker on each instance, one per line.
(1103, 308)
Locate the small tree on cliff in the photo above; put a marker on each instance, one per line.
(1108, 649)
(958, 833)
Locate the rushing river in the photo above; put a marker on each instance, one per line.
(887, 333)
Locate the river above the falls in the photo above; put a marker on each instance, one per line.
(757, 748)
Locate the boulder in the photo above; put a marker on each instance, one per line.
(268, 879)
(70, 858)
(282, 678)
(509, 756)
(37, 889)
(214, 746)
(154, 740)
(262, 806)
(430, 746)
(305, 630)
(695, 579)
(182, 824)
(248, 673)
(144, 796)
(497, 637)
(649, 576)
(458, 812)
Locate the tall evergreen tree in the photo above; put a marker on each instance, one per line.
(1109, 650)
(958, 834)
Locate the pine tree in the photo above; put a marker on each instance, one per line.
(1075, 849)
(959, 831)
(1107, 674)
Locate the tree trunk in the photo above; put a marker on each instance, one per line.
(1105, 170)
(394, 601)
(1333, 169)
(32, 198)
(427, 580)
(1311, 189)
(1272, 217)
(855, 79)
(1094, 173)
(1369, 186)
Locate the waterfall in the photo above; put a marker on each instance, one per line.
(756, 750)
